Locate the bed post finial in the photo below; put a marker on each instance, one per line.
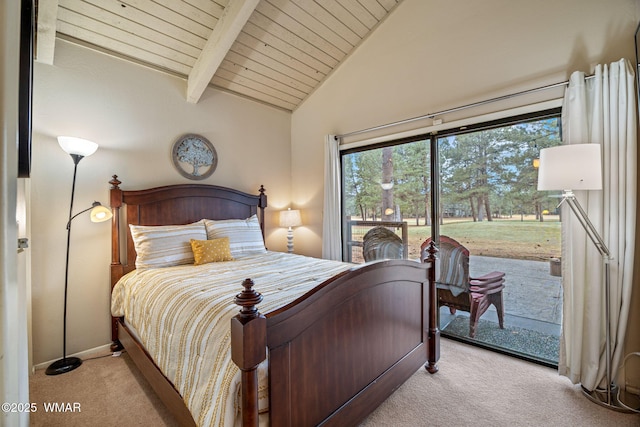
(115, 182)
(248, 299)
(248, 348)
(263, 197)
(432, 251)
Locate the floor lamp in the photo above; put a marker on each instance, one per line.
(579, 167)
(78, 149)
(290, 218)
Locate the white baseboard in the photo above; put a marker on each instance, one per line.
(86, 354)
(632, 389)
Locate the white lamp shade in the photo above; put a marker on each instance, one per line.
(290, 218)
(77, 146)
(570, 167)
(100, 213)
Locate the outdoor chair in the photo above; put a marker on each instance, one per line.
(381, 243)
(457, 290)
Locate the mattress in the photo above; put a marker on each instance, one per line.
(182, 315)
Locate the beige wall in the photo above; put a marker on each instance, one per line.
(432, 55)
(135, 114)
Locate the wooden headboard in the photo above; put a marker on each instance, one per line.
(173, 204)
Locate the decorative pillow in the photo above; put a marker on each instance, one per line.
(165, 245)
(206, 251)
(245, 235)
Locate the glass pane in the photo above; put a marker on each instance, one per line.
(387, 186)
(489, 204)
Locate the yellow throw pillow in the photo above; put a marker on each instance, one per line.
(215, 250)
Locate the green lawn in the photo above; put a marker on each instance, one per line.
(505, 238)
(508, 239)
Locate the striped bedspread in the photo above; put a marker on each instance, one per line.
(182, 317)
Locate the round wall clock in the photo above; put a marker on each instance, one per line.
(194, 156)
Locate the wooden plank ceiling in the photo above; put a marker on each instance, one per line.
(273, 51)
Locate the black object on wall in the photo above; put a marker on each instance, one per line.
(637, 65)
(27, 24)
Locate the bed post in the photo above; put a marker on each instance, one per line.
(434, 332)
(262, 204)
(248, 348)
(115, 200)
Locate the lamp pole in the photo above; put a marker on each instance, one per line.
(610, 399)
(67, 364)
(77, 148)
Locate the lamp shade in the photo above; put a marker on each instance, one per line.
(570, 167)
(290, 218)
(100, 213)
(78, 146)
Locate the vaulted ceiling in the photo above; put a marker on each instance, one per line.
(273, 51)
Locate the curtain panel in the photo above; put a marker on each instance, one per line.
(600, 110)
(331, 226)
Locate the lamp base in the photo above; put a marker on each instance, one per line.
(600, 397)
(63, 365)
(290, 241)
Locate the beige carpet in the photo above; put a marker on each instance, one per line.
(474, 387)
(110, 390)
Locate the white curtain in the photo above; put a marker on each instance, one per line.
(599, 110)
(331, 234)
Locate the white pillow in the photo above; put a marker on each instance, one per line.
(165, 245)
(245, 235)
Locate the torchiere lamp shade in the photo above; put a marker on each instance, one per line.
(78, 146)
(570, 167)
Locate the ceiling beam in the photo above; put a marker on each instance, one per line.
(46, 31)
(233, 19)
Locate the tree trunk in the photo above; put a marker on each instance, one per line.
(473, 209)
(539, 210)
(487, 206)
(427, 211)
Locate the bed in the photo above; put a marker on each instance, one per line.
(332, 353)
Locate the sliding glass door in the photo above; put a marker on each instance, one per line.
(489, 203)
(483, 197)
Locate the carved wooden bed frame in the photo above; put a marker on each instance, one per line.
(335, 353)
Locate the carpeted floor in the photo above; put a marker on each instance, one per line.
(521, 340)
(109, 391)
(473, 387)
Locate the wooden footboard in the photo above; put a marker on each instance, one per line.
(339, 351)
(334, 354)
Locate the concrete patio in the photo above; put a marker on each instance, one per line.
(532, 297)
